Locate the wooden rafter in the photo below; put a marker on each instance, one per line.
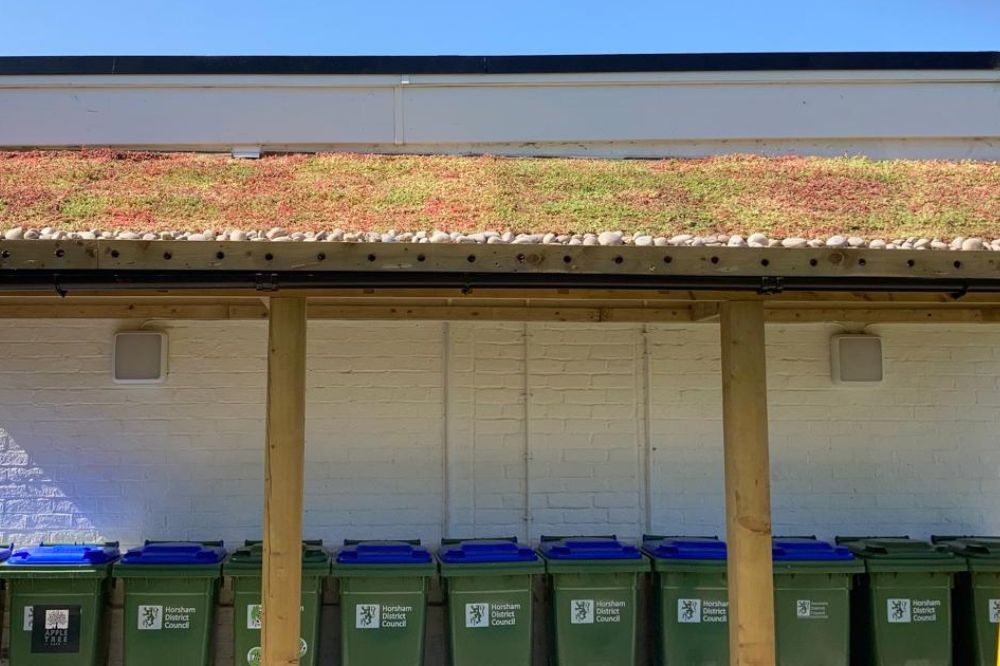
(465, 309)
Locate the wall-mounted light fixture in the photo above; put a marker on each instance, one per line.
(140, 357)
(856, 359)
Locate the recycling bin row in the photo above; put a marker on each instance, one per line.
(889, 600)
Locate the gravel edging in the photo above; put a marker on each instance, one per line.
(607, 238)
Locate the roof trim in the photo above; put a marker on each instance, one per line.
(113, 266)
(513, 64)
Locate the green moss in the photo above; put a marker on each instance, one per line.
(83, 205)
(402, 196)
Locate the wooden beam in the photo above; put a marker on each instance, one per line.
(484, 309)
(661, 297)
(414, 258)
(502, 258)
(748, 483)
(283, 482)
(884, 315)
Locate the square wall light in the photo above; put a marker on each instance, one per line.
(856, 359)
(140, 357)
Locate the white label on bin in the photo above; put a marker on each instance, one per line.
(29, 617)
(382, 616)
(689, 611)
(477, 616)
(254, 615)
(495, 614)
(157, 618)
(150, 618)
(995, 611)
(905, 611)
(696, 611)
(367, 616)
(581, 611)
(807, 609)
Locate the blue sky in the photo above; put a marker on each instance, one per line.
(75, 27)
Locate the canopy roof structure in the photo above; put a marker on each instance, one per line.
(424, 237)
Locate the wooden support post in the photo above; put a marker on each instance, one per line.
(748, 485)
(284, 462)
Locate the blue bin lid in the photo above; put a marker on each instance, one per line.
(687, 548)
(486, 551)
(383, 552)
(798, 549)
(809, 550)
(175, 552)
(590, 548)
(64, 555)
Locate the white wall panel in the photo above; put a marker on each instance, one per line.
(185, 116)
(689, 112)
(883, 114)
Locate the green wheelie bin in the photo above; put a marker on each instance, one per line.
(245, 568)
(976, 599)
(383, 601)
(593, 593)
(5, 553)
(813, 580)
(488, 585)
(812, 583)
(58, 603)
(690, 601)
(171, 590)
(902, 609)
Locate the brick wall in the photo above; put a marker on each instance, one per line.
(425, 429)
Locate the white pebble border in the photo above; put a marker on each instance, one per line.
(278, 234)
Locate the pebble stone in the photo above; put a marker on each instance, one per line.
(610, 238)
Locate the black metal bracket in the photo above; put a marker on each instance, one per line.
(60, 290)
(770, 286)
(266, 282)
(961, 292)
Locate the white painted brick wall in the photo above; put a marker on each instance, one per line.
(424, 429)
(487, 430)
(585, 415)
